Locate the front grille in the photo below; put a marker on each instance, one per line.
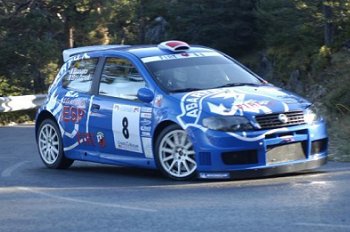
(240, 157)
(285, 153)
(268, 121)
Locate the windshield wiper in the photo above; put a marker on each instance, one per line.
(185, 90)
(238, 84)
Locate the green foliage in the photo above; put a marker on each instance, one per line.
(290, 33)
(339, 138)
(337, 99)
(228, 25)
(17, 117)
(8, 89)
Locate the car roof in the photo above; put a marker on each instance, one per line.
(140, 51)
(154, 50)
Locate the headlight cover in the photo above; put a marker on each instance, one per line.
(227, 123)
(310, 115)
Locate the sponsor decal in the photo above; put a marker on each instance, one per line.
(76, 71)
(145, 122)
(179, 56)
(100, 137)
(78, 102)
(191, 105)
(128, 146)
(240, 107)
(229, 102)
(145, 134)
(146, 109)
(72, 114)
(79, 77)
(85, 138)
(146, 115)
(126, 127)
(70, 94)
(80, 57)
(147, 147)
(81, 74)
(287, 139)
(158, 100)
(145, 128)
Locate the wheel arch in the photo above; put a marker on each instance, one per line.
(40, 118)
(162, 130)
(161, 126)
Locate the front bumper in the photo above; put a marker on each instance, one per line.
(310, 144)
(262, 172)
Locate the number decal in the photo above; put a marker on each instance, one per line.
(126, 127)
(125, 130)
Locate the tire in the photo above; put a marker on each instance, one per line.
(175, 155)
(50, 146)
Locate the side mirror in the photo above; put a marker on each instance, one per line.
(145, 95)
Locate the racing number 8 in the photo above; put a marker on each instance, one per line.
(125, 124)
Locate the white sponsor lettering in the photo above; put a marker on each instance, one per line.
(146, 115)
(179, 56)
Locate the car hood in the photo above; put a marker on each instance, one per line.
(243, 100)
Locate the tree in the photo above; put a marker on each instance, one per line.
(228, 25)
(33, 34)
(27, 44)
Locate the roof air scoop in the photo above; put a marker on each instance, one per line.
(174, 46)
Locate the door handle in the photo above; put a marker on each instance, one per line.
(95, 107)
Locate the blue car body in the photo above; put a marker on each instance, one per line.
(123, 131)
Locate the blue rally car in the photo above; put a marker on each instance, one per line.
(190, 111)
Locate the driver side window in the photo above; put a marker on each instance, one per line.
(120, 79)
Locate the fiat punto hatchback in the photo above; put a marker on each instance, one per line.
(189, 111)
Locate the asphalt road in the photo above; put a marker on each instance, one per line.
(93, 197)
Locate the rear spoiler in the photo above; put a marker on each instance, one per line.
(74, 51)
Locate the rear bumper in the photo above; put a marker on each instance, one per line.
(266, 171)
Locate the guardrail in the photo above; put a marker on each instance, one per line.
(16, 103)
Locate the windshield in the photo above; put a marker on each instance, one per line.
(198, 73)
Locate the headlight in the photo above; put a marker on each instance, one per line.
(310, 115)
(228, 123)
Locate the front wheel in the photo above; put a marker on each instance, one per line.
(175, 155)
(50, 146)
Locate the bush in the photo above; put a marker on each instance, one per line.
(24, 116)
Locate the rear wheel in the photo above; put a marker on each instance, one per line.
(50, 146)
(175, 155)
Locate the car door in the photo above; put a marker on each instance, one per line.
(120, 122)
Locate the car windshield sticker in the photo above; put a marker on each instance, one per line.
(125, 126)
(179, 56)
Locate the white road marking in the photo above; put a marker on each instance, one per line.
(8, 171)
(5, 190)
(32, 190)
(324, 225)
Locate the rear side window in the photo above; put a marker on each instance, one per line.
(80, 74)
